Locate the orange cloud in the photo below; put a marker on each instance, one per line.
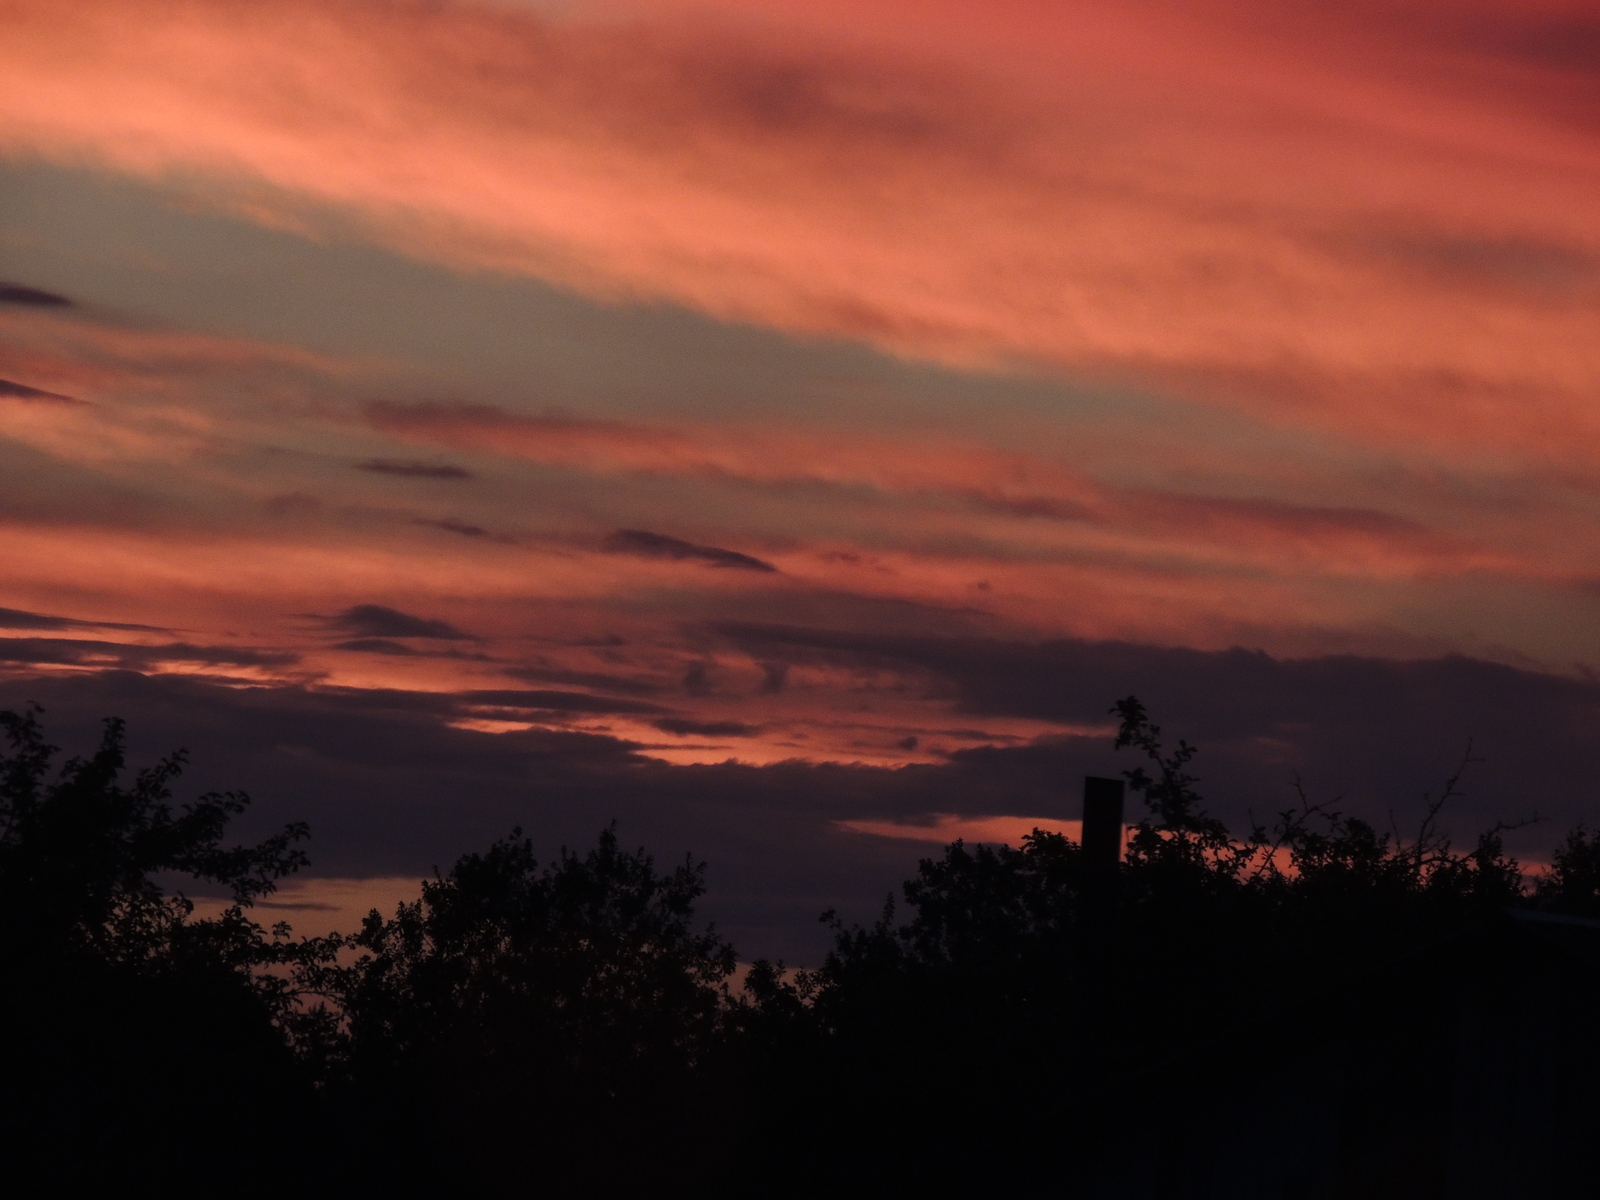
(1007, 496)
(1375, 220)
(758, 454)
(213, 521)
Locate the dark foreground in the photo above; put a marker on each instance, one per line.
(1312, 1009)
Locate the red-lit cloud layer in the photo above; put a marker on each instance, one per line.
(1376, 221)
(1329, 279)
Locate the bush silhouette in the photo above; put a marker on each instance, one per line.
(1310, 1007)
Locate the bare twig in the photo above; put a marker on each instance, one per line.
(1431, 843)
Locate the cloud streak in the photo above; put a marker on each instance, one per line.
(643, 544)
(21, 391)
(380, 621)
(1236, 200)
(684, 727)
(1263, 532)
(13, 618)
(411, 469)
(787, 424)
(103, 655)
(16, 293)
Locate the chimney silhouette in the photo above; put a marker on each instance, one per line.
(1102, 829)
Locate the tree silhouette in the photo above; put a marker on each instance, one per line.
(1572, 885)
(1312, 1007)
(1315, 967)
(523, 1009)
(119, 1004)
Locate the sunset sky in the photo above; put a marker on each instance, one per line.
(785, 426)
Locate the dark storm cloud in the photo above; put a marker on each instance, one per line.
(379, 621)
(644, 544)
(683, 727)
(21, 391)
(414, 468)
(16, 293)
(16, 618)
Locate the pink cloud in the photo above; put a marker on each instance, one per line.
(990, 489)
(1376, 221)
(210, 524)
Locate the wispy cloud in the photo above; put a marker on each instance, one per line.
(542, 700)
(413, 469)
(1372, 246)
(14, 618)
(16, 293)
(104, 655)
(1239, 353)
(1263, 531)
(645, 544)
(461, 528)
(684, 727)
(627, 685)
(1206, 195)
(21, 391)
(379, 621)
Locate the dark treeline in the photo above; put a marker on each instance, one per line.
(1314, 1007)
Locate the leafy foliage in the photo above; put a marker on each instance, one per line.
(572, 1013)
(82, 858)
(121, 1002)
(593, 958)
(1218, 957)
(1572, 885)
(560, 998)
